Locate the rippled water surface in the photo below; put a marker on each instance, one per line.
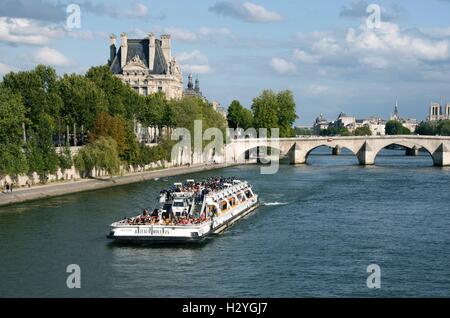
(319, 226)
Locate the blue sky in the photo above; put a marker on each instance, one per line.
(322, 50)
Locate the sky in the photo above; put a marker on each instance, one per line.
(333, 55)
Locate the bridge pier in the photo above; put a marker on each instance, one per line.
(441, 157)
(297, 156)
(412, 152)
(336, 151)
(366, 155)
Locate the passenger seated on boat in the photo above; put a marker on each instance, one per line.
(155, 213)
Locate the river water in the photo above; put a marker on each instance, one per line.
(318, 228)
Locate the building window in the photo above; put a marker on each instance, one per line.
(136, 89)
(160, 89)
(145, 91)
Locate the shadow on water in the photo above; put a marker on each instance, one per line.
(148, 245)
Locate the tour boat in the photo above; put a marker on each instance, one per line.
(189, 212)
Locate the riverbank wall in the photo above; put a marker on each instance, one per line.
(61, 188)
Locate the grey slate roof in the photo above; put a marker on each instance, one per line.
(140, 47)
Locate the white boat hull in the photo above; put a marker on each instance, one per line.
(163, 234)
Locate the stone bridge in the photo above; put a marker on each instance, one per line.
(365, 148)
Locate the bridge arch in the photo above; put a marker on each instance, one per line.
(407, 144)
(340, 146)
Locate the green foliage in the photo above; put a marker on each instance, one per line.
(151, 113)
(443, 128)
(239, 116)
(40, 150)
(82, 100)
(303, 131)
(265, 111)
(12, 116)
(271, 110)
(65, 159)
(287, 113)
(38, 89)
(363, 131)
(332, 130)
(110, 126)
(101, 155)
(121, 99)
(12, 160)
(395, 127)
(189, 109)
(427, 128)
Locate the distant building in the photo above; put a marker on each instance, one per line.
(320, 124)
(436, 113)
(193, 90)
(376, 125)
(147, 65)
(409, 123)
(345, 121)
(218, 108)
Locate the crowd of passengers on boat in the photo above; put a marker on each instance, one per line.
(198, 190)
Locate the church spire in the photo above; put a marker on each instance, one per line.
(197, 85)
(190, 83)
(396, 108)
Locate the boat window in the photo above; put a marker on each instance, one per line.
(178, 204)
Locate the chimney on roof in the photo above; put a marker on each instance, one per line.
(112, 48)
(124, 49)
(151, 51)
(166, 47)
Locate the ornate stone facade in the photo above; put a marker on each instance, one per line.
(147, 65)
(436, 112)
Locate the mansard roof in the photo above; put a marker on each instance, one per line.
(140, 48)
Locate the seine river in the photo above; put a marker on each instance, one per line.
(319, 226)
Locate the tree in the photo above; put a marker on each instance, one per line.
(65, 159)
(82, 101)
(395, 127)
(40, 150)
(266, 110)
(12, 117)
(443, 128)
(239, 116)
(12, 160)
(427, 128)
(287, 113)
(102, 154)
(109, 126)
(38, 89)
(363, 131)
(121, 98)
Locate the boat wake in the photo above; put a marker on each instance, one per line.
(275, 203)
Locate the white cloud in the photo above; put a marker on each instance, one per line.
(282, 66)
(25, 31)
(196, 68)
(205, 31)
(305, 57)
(202, 34)
(52, 57)
(192, 57)
(258, 13)
(138, 11)
(360, 50)
(390, 40)
(194, 62)
(316, 89)
(246, 11)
